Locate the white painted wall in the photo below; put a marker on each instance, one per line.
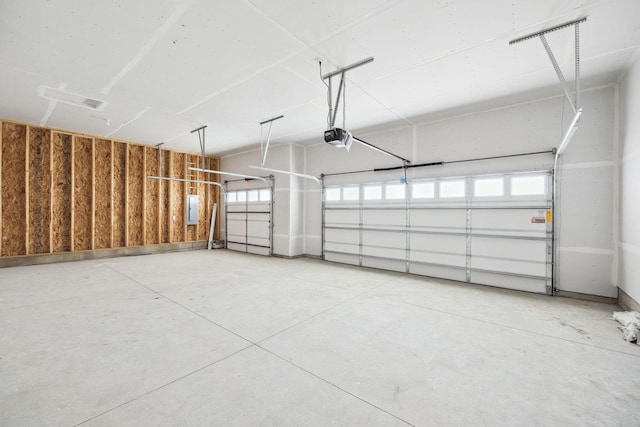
(278, 158)
(288, 201)
(629, 158)
(586, 243)
(587, 185)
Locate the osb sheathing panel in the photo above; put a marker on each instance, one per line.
(165, 217)
(119, 201)
(61, 207)
(103, 194)
(151, 197)
(136, 195)
(39, 190)
(83, 193)
(13, 189)
(178, 198)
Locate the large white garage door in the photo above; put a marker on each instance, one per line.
(248, 220)
(490, 229)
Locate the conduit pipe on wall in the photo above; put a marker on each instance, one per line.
(194, 181)
(232, 174)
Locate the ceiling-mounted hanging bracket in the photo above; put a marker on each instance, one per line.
(264, 146)
(160, 157)
(333, 106)
(574, 102)
(201, 135)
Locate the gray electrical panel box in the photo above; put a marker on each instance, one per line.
(192, 209)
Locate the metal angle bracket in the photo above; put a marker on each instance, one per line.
(264, 147)
(201, 135)
(575, 103)
(333, 108)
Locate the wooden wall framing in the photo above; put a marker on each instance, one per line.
(68, 192)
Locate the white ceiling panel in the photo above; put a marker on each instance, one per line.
(269, 94)
(214, 47)
(156, 126)
(166, 67)
(81, 42)
(415, 32)
(18, 95)
(314, 21)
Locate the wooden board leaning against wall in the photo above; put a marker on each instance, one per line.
(68, 192)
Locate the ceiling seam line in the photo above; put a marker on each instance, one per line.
(306, 46)
(180, 10)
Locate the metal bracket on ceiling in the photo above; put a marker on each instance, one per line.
(264, 146)
(333, 108)
(201, 135)
(575, 102)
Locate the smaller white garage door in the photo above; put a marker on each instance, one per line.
(248, 220)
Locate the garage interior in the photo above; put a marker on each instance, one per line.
(308, 213)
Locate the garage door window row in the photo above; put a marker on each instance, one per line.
(482, 187)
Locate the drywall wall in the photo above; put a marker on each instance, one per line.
(289, 192)
(65, 192)
(629, 163)
(297, 186)
(278, 158)
(586, 180)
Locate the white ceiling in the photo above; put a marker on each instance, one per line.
(166, 67)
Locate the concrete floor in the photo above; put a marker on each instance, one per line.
(223, 338)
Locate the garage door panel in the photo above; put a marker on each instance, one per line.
(258, 229)
(236, 227)
(353, 248)
(236, 208)
(516, 249)
(436, 219)
(463, 232)
(342, 258)
(258, 250)
(258, 207)
(452, 260)
(384, 239)
(236, 246)
(381, 252)
(342, 236)
(438, 243)
(384, 218)
(248, 222)
(384, 264)
(509, 282)
(342, 216)
(509, 266)
(257, 241)
(512, 222)
(438, 271)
